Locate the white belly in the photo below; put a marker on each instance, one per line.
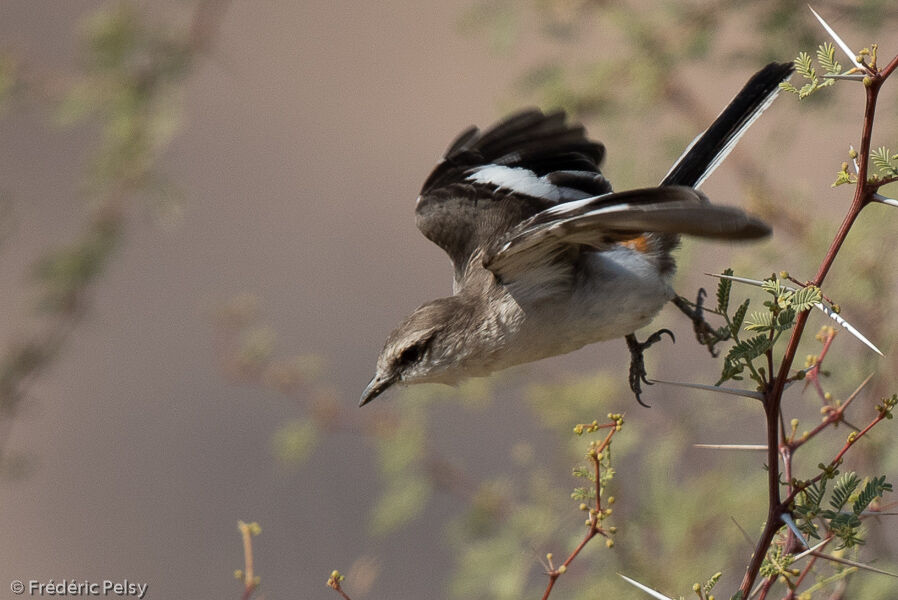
(615, 293)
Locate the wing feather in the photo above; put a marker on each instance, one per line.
(489, 182)
(600, 222)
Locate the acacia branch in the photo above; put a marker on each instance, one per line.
(863, 195)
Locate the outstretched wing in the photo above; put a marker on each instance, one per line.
(669, 210)
(612, 218)
(491, 181)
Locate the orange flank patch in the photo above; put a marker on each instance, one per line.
(640, 244)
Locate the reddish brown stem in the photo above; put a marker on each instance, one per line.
(813, 376)
(594, 528)
(864, 191)
(336, 587)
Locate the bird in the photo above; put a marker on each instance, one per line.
(547, 258)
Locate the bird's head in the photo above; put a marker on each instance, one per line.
(426, 347)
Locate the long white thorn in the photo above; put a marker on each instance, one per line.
(819, 306)
(852, 563)
(846, 326)
(713, 388)
(746, 280)
(645, 589)
(884, 200)
(749, 447)
(812, 549)
(852, 56)
(852, 77)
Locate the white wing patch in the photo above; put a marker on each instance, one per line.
(517, 179)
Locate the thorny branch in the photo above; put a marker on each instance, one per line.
(864, 193)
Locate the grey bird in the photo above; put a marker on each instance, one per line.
(547, 258)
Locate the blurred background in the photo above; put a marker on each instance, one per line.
(207, 231)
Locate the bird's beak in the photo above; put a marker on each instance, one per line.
(378, 385)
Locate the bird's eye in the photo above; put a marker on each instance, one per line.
(412, 354)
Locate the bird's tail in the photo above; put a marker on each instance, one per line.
(709, 149)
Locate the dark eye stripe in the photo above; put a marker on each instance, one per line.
(411, 354)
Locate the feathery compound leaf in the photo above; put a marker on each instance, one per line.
(803, 66)
(581, 471)
(772, 287)
(875, 488)
(785, 319)
(749, 349)
(826, 56)
(846, 526)
(731, 370)
(814, 494)
(583, 493)
(805, 298)
(843, 489)
(709, 585)
(738, 317)
(759, 321)
(882, 158)
(785, 85)
(723, 292)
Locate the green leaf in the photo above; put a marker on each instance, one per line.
(731, 370)
(805, 298)
(749, 349)
(785, 319)
(843, 489)
(772, 287)
(785, 85)
(723, 292)
(583, 493)
(882, 158)
(814, 494)
(738, 317)
(826, 56)
(875, 488)
(709, 585)
(759, 321)
(845, 526)
(582, 471)
(803, 66)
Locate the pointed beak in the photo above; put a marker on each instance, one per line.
(378, 385)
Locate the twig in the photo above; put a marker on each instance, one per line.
(334, 582)
(247, 575)
(597, 514)
(863, 195)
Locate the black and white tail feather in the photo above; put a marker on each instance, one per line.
(708, 150)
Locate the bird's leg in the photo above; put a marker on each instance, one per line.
(704, 333)
(637, 362)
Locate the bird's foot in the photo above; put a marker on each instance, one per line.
(705, 334)
(637, 361)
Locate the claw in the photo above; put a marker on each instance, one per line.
(638, 375)
(705, 334)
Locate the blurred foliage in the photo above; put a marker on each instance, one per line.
(129, 88)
